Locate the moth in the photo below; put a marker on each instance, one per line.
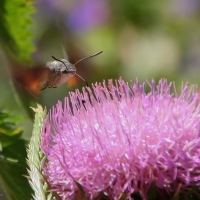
(54, 74)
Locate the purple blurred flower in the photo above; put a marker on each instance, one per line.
(88, 14)
(185, 8)
(121, 140)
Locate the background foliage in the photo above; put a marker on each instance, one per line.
(149, 38)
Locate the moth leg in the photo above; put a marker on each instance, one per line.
(56, 78)
(44, 87)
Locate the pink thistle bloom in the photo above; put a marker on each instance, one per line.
(119, 140)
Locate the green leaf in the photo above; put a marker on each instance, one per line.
(12, 160)
(9, 133)
(36, 158)
(6, 38)
(12, 170)
(17, 22)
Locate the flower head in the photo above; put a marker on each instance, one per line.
(119, 140)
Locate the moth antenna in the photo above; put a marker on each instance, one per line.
(81, 78)
(96, 54)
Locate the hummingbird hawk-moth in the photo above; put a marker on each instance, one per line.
(54, 74)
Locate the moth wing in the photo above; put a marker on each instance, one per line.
(31, 79)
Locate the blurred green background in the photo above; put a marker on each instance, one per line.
(145, 39)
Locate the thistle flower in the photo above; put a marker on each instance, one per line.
(118, 141)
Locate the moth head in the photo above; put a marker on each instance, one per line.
(69, 68)
(63, 65)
